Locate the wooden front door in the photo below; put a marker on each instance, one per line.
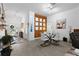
(40, 25)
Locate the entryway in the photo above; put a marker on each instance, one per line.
(40, 25)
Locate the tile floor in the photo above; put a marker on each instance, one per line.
(24, 47)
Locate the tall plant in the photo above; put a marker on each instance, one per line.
(6, 39)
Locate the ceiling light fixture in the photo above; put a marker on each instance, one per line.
(51, 6)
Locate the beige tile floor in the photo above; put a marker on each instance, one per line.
(24, 47)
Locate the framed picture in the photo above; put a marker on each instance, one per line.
(61, 24)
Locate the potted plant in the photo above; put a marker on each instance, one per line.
(6, 49)
(6, 40)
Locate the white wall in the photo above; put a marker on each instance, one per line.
(31, 26)
(15, 18)
(72, 19)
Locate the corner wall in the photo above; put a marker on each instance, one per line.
(72, 20)
(30, 27)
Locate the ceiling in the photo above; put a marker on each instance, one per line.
(41, 8)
